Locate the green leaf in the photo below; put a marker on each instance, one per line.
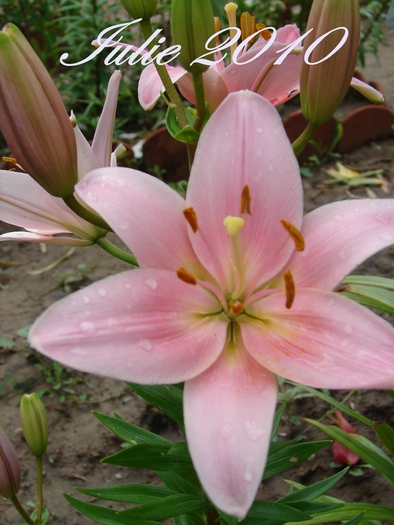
(371, 280)
(335, 403)
(292, 455)
(165, 508)
(361, 446)
(315, 490)
(386, 435)
(131, 433)
(6, 342)
(377, 298)
(154, 457)
(349, 511)
(140, 494)
(172, 123)
(355, 520)
(188, 135)
(168, 400)
(277, 419)
(104, 515)
(266, 510)
(185, 482)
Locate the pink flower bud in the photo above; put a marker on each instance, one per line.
(10, 472)
(33, 119)
(340, 453)
(324, 85)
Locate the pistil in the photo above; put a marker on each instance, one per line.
(234, 226)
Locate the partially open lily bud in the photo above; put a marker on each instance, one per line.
(10, 471)
(192, 24)
(325, 81)
(144, 9)
(34, 423)
(33, 118)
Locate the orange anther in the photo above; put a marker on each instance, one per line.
(191, 218)
(186, 277)
(295, 234)
(290, 289)
(246, 200)
(264, 34)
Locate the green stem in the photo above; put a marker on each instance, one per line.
(169, 87)
(21, 510)
(305, 136)
(40, 496)
(198, 84)
(107, 245)
(85, 214)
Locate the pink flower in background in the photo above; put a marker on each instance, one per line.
(24, 203)
(277, 83)
(234, 288)
(340, 453)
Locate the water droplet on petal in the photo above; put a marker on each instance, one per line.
(124, 226)
(90, 197)
(259, 152)
(338, 217)
(270, 168)
(373, 204)
(111, 322)
(102, 292)
(254, 432)
(85, 299)
(356, 210)
(342, 255)
(151, 283)
(145, 345)
(87, 327)
(173, 315)
(259, 130)
(386, 236)
(127, 285)
(348, 329)
(121, 183)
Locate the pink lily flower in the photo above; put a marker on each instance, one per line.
(226, 298)
(47, 219)
(277, 83)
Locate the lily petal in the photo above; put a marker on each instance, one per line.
(102, 140)
(269, 169)
(340, 236)
(150, 85)
(160, 327)
(229, 411)
(145, 213)
(324, 340)
(47, 239)
(86, 158)
(24, 203)
(215, 89)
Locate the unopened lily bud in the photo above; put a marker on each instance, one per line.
(340, 453)
(192, 24)
(325, 82)
(34, 423)
(144, 9)
(10, 471)
(33, 118)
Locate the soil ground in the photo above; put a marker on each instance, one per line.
(77, 440)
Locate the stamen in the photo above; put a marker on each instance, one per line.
(233, 224)
(231, 9)
(217, 24)
(191, 217)
(290, 289)
(186, 277)
(295, 234)
(11, 160)
(248, 25)
(264, 34)
(246, 200)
